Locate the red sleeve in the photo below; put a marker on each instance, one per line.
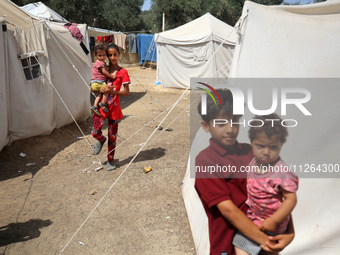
(125, 77)
(211, 190)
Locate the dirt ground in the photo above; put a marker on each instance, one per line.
(53, 201)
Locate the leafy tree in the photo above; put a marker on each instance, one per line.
(109, 14)
(122, 15)
(149, 23)
(179, 12)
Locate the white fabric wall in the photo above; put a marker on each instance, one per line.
(3, 87)
(37, 106)
(71, 84)
(188, 51)
(30, 105)
(292, 42)
(176, 64)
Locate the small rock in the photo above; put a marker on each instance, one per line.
(93, 192)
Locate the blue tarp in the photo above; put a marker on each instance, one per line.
(145, 52)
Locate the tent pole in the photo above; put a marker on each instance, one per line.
(163, 22)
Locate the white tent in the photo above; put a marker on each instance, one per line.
(40, 10)
(43, 70)
(291, 42)
(184, 52)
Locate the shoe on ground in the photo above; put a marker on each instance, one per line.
(110, 166)
(98, 147)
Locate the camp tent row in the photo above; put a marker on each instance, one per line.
(296, 42)
(201, 48)
(42, 69)
(36, 33)
(40, 10)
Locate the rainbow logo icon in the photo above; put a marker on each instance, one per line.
(209, 93)
(204, 97)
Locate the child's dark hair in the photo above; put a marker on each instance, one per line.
(113, 46)
(99, 47)
(270, 127)
(213, 111)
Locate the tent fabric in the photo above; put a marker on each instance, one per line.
(188, 51)
(3, 86)
(40, 10)
(95, 32)
(201, 30)
(33, 106)
(290, 42)
(146, 48)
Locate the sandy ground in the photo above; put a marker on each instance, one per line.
(60, 204)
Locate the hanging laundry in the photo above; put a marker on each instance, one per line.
(120, 40)
(108, 39)
(74, 31)
(132, 43)
(146, 47)
(92, 43)
(72, 27)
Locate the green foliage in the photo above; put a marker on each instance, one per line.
(179, 12)
(127, 15)
(122, 15)
(109, 14)
(149, 22)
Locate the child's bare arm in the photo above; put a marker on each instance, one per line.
(110, 90)
(282, 213)
(108, 75)
(239, 220)
(281, 241)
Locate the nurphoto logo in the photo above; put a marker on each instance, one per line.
(280, 97)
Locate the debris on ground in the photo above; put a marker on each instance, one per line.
(147, 169)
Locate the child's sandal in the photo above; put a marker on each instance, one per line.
(104, 107)
(95, 110)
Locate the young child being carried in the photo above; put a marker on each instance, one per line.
(223, 194)
(100, 75)
(271, 187)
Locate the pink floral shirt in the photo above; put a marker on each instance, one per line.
(264, 193)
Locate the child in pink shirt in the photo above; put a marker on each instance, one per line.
(100, 75)
(271, 187)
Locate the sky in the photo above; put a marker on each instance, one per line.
(147, 3)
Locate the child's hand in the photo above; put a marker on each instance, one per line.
(268, 225)
(114, 75)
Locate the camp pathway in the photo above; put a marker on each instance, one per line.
(47, 194)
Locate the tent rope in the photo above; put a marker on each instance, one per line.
(145, 125)
(114, 183)
(173, 120)
(138, 82)
(153, 53)
(153, 42)
(56, 91)
(73, 66)
(221, 44)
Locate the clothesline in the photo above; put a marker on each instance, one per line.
(143, 44)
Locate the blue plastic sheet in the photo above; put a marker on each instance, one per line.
(146, 48)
